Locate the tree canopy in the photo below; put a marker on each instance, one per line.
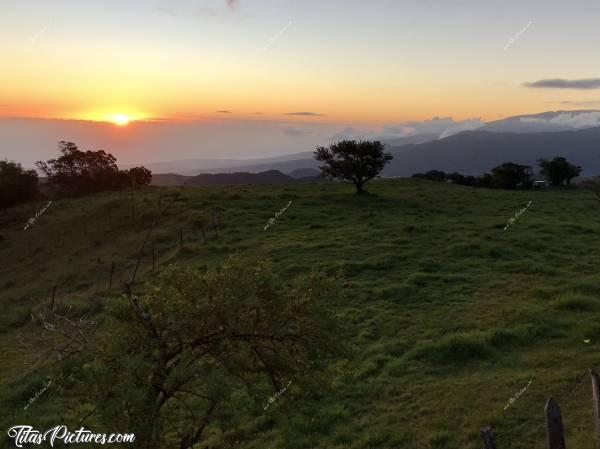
(191, 349)
(77, 172)
(356, 161)
(559, 171)
(510, 176)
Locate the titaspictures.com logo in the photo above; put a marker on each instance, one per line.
(28, 435)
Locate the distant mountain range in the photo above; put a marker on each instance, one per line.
(545, 122)
(267, 177)
(521, 139)
(192, 167)
(475, 152)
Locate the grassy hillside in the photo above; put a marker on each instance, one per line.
(450, 316)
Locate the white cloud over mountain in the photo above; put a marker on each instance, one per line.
(579, 120)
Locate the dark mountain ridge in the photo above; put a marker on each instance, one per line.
(476, 152)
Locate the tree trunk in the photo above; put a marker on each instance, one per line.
(359, 187)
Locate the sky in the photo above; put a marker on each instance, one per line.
(299, 71)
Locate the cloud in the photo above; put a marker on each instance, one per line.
(442, 126)
(305, 114)
(295, 132)
(573, 120)
(591, 83)
(459, 127)
(350, 133)
(224, 112)
(233, 4)
(581, 102)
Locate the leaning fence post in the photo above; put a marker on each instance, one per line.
(596, 403)
(554, 425)
(487, 437)
(53, 296)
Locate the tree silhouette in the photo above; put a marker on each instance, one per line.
(358, 162)
(559, 171)
(137, 177)
(17, 185)
(77, 172)
(510, 176)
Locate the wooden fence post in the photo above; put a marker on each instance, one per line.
(214, 222)
(554, 425)
(181, 238)
(203, 234)
(596, 404)
(488, 438)
(53, 297)
(112, 270)
(153, 253)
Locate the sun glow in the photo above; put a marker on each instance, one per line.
(116, 116)
(120, 119)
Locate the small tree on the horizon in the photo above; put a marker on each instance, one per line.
(137, 177)
(356, 161)
(559, 171)
(510, 176)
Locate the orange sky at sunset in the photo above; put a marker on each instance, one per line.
(77, 61)
(254, 78)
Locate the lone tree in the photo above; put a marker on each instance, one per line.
(559, 171)
(358, 162)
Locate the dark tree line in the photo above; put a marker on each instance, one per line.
(77, 172)
(509, 175)
(73, 173)
(17, 185)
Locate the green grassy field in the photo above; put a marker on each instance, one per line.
(450, 315)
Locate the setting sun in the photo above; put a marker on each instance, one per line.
(120, 119)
